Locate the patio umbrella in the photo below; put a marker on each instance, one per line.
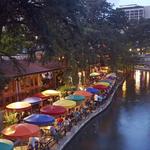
(76, 98)
(39, 119)
(83, 93)
(100, 87)
(51, 93)
(65, 103)
(21, 131)
(92, 90)
(6, 144)
(42, 96)
(19, 106)
(53, 110)
(33, 100)
(102, 83)
(94, 74)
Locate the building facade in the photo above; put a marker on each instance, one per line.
(136, 12)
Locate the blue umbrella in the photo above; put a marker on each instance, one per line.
(32, 100)
(6, 144)
(75, 97)
(92, 90)
(39, 119)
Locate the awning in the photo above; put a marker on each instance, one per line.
(100, 87)
(39, 119)
(6, 144)
(102, 83)
(76, 98)
(21, 131)
(53, 110)
(65, 103)
(32, 100)
(92, 90)
(94, 74)
(51, 93)
(83, 93)
(19, 106)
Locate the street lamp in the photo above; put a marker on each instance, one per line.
(80, 75)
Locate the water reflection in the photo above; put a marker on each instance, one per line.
(137, 78)
(124, 89)
(125, 125)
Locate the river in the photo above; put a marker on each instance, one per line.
(125, 125)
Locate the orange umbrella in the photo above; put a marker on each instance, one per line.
(83, 93)
(21, 131)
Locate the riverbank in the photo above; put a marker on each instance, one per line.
(70, 135)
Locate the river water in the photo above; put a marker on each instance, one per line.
(125, 125)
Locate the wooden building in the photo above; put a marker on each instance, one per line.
(28, 79)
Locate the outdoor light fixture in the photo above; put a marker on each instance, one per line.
(79, 75)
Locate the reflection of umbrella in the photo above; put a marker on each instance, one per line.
(65, 103)
(53, 110)
(19, 106)
(51, 93)
(40, 95)
(83, 93)
(6, 144)
(94, 74)
(75, 98)
(100, 87)
(21, 131)
(39, 119)
(33, 100)
(102, 83)
(92, 90)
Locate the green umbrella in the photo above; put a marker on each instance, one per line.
(75, 98)
(6, 144)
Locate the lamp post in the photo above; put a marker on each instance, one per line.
(80, 75)
(83, 72)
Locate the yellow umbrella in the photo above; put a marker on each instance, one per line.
(65, 103)
(19, 106)
(51, 93)
(94, 74)
(102, 83)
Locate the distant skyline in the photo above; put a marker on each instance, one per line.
(127, 2)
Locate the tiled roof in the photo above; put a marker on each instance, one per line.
(9, 69)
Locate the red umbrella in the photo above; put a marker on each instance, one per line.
(42, 96)
(100, 87)
(21, 131)
(83, 93)
(53, 110)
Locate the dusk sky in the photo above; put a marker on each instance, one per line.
(126, 2)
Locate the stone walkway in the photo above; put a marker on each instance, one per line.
(66, 139)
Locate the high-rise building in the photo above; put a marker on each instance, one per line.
(136, 12)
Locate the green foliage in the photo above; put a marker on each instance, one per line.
(67, 88)
(10, 118)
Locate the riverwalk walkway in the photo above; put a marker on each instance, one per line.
(75, 129)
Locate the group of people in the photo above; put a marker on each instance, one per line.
(64, 123)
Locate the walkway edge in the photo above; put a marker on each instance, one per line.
(81, 124)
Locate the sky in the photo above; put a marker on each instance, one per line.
(127, 2)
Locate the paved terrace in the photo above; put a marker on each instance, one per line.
(70, 135)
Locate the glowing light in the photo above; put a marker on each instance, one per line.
(124, 88)
(147, 81)
(137, 79)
